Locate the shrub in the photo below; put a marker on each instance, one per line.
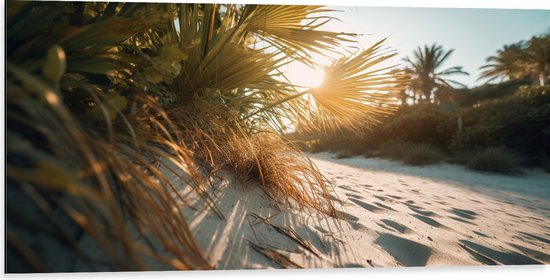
(519, 122)
(393, 150)
(422, 123)
(495, 159)
(422, 154)
(344, 154)
(471, 96)
(460, 158)
(412, 154)
(370, 153)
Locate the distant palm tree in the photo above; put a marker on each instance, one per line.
(506, 65)
(424, 69)
(538, 59)
(521, 60)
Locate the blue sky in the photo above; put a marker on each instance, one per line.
(474, 34)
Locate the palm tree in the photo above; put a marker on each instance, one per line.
(538, 59)
(424, 69)
(521, 60)
(506, 65)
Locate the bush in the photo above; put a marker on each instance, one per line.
(370, 153)
(495, 159)
(422, 154)
(422, 123)
(470, 96)
(344, 154)
(461, 158)
(412, 154)
(393, 150)
(519, 122)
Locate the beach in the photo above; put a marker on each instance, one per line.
(394, 216)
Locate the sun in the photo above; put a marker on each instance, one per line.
(302, 75)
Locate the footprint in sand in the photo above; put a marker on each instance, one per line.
(427, 220)
(354, 196)
(405, 251)
(480, 234)
(366, 206)
(347, 216)
(426, 213)
(395, 225)
(512, 215)
(383, 206)
(536, 219)
(535, 237)
(333, 198)
(348, 188)
(545, 258)
(466, 214)
(462, 220)
(403, 183)
(395, 196)
(490, 256)
(380, 197)
(358, 226)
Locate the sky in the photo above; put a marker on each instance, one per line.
(474, 34)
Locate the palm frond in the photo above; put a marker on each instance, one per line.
(354, 87)
(295, 30)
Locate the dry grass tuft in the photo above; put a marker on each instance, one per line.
(100, 184)
(286, 175)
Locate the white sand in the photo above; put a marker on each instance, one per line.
(397, 216)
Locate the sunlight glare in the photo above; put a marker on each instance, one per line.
(302, 75)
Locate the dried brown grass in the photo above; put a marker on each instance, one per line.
(106, 184)
(285, 174)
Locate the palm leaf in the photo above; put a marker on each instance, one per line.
(294, 30)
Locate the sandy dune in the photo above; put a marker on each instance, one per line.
(395, 216)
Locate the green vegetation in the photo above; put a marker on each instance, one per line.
(422, 154)
(422, 123)
(494, 159)
(519, 122)
(106, 101)
(417, 154)
(513, 114)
